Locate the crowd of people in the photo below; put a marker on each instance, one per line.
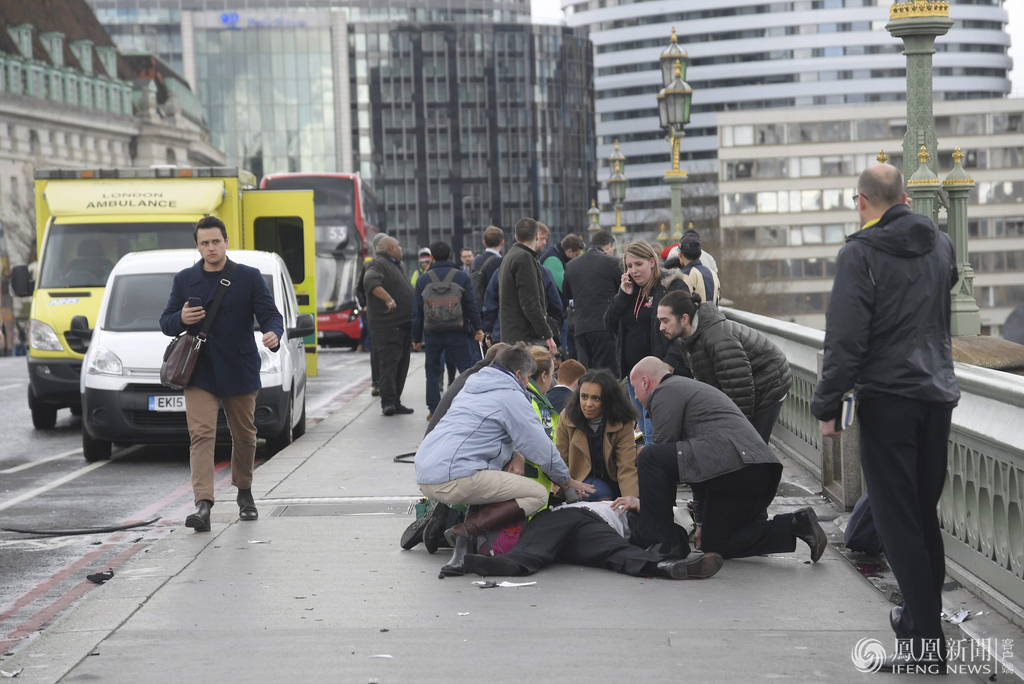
(583, 384)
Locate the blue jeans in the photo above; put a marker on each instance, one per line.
(644, 421)
(604, 490)
(452, 345)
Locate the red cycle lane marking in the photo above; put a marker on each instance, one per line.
(65, 599)
(61, 575)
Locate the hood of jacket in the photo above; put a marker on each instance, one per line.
(494, 379)
(708, 315)
(669, 276)
(901, 233)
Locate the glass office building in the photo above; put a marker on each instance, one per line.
(459, 114)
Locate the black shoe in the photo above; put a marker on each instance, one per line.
(894, 617)
(246, 505)
(699, 566)
(375, 391)
(437, 523)
(806, 528)
(388, 410)
(199, 519)
(413, 534)
(456, 567)
(403, 410)
(492, 566)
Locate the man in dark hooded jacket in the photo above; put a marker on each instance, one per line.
(887, 337)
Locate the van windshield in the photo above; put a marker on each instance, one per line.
(136, 302)
(83, 254)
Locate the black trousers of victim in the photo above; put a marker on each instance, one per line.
(734, 521)
(578, 537)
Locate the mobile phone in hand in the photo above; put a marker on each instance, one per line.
(195, 302)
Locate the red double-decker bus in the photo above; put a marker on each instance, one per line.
(346, 218)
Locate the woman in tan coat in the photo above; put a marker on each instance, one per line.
(599, 421)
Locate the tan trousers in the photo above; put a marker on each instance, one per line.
(487, 487)
(201, 412)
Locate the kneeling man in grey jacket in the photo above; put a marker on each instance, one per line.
(464, 459)
(702, 438)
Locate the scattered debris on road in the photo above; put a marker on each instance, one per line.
(100, 577)
(11, 675)
(383, 655)
(257, 541)
(957, 617)
(491, 585)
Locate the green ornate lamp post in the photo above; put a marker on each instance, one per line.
(674, 113)
(918, 23)
(595, 215)
(616, 185)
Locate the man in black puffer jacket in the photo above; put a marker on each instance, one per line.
(738, 360)
(887, 336)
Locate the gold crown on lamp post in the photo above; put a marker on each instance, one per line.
(919, 8)
(923, 155)
(882, 157)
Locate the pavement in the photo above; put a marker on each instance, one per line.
(318, 590)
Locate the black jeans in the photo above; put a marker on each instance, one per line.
(764, 421)
(597, 350)
(734, 524)
(904, 448)
(579, 537)
(392, 346)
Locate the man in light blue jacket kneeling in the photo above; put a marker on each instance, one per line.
(464, 459)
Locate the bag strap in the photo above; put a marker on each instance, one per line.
(225, 283)
(450, 277)
(433, 277)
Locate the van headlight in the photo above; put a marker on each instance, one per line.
(43, 338)
(269, 361)
(104, 362)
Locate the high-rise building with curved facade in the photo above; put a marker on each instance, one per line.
(751, 54)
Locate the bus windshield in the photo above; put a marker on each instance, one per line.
(334, 206)
(83, 255)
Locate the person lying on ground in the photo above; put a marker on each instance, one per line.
(461, 460)
(593, 534)
(596, 436)
(702, 439)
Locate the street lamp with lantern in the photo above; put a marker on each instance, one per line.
(674, 103)
(616, 185)
(595, 215)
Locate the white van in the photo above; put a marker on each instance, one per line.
(123, 401)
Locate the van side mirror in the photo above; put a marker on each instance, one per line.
(304, 325)
(80, 330)
(21, 281)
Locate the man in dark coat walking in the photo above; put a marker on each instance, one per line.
(523, 302)
(591, 281)
(887, 337)
(389, 309)
(228, 370)
(701, 438)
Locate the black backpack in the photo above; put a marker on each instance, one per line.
(476, 278)
(442, 303)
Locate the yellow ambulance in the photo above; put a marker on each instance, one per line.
(87, 219)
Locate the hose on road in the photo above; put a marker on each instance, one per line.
(86, 530)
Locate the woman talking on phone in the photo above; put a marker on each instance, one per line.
(634, 313)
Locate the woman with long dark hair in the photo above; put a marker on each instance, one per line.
(595, 437)
(633, 312)
(738, 360)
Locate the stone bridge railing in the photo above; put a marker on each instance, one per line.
(982, 505)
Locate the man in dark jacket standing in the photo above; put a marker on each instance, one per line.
(522, 301)
(591, 281)
(555, 258)
(389, 309)
(887, 337)
(701, 438)
(228, 370)
(451, 343)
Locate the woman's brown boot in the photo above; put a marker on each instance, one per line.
(462, 536)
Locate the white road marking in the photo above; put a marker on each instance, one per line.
(32, 464)
(53, 485)
(14, 386)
